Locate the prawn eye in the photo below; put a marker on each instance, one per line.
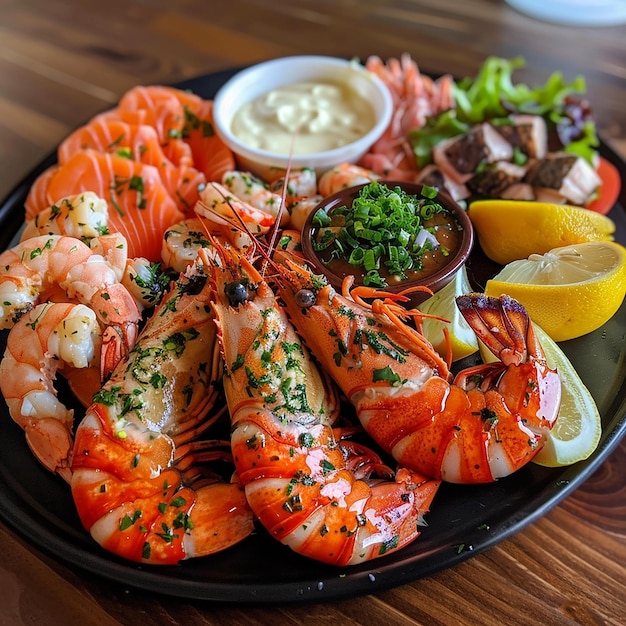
(305, 298)
(237, 292)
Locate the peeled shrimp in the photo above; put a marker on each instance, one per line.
(300, 194)
(84, 216)
(55, 267)
(218, 201)
(344, 175)
(301, 183)
(50, 337)
(181, 243)
(253, 190)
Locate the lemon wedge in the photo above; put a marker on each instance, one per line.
(463, 341)
(569, 291)
(578, 427)
(509, 230)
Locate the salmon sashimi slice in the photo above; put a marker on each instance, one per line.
(175, 113)
(156, 106)
(210, 154)
(174, 148)
(140, 208)
(148, 158)
(106, 133)
(37, 197)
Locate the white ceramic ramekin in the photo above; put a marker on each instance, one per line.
(259, 79)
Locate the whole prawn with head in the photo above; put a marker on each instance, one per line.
(143, 478)
(300, 482)
(485, 424)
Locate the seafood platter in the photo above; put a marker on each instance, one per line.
(183, 396)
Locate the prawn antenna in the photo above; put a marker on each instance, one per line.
(283, 201)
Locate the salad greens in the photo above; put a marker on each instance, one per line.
(382, 226)
(493, 95)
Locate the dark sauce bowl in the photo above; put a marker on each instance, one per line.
(434, 281)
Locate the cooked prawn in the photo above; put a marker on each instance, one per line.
(84, 216)
(220, 206)
(139, 476)
(68, 269)
(182, 241)
(48, 338)
(297, 183)
(482, 426)
(296, 477)
(252, 190)
(300, 194)
(344, 175)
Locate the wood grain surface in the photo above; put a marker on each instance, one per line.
(62, 61)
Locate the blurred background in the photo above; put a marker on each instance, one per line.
(62, 62)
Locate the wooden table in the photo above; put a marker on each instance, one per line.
(63, 61)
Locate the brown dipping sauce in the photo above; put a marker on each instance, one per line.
(447, 231)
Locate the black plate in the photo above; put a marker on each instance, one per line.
(464, 521)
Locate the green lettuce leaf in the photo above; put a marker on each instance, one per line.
(492, 94)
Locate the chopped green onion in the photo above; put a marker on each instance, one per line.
(382, 226)
(321, 218)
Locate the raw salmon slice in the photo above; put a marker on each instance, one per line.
(156, 106)
(175, 113)
(154, 132)
(172, 145)
(139, 205)
(37, 198)
(105, 133)
(210, 154)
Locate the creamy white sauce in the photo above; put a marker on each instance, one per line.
(314, 116)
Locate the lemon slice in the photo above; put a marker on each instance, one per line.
(569, 291)
(463, 341)
(514, 229)
(577, 431)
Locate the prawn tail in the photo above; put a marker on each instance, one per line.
(135, 509)
(51, 442)
(309, 499)
(119, 314)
